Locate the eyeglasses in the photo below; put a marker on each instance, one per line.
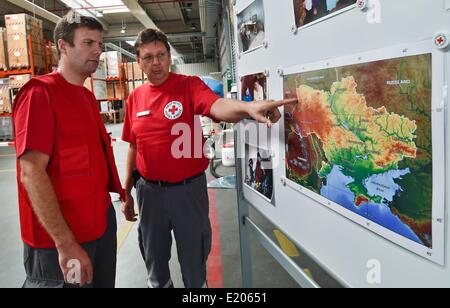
(150, 59)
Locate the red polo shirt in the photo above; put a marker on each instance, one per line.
(162, 122)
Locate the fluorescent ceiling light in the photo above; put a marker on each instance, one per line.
(107, 6)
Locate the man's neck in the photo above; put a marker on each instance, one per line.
(158, 82)
(70, 76)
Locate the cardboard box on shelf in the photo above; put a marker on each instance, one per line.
(110, 90)
(18, 81)
(100, 73)
(6, 128)
(18, 28)
(129, 71)
(138, 83)
(100, 90)
(119, 90)
(3, 50)
(130, 86)
(113, 60)
(137, 72)
(55, 57)
(5, 99)
(126, 90)
(88, 84)
(104, 106)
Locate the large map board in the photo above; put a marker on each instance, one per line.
(361, 137)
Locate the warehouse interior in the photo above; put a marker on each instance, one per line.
(345, 188)
(201, 45)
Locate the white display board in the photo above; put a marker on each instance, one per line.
(354, 249)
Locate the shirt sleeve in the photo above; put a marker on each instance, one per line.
(127, 134)
(34, 121)
(203, 98)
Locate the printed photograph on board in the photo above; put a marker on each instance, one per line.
(251, 27)
(254, 88)
(308, 11)
(259, 170)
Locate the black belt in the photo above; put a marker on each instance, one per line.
(170, 184)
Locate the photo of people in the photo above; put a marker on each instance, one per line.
(259, 171)
(254, 88)
(307, 11)
(250, 23)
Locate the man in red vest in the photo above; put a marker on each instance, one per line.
(66, 168)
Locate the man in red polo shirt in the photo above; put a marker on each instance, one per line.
(66, 168)
(172, 189)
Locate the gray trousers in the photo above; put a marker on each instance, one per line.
(42, 265)
(185, 210)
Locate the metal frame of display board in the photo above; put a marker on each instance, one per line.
(247, 227)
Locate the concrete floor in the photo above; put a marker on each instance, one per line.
(131, 272)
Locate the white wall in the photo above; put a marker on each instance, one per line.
(196, 69)
(342, 247)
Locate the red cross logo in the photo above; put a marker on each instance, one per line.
(440, 40)
(173, 110)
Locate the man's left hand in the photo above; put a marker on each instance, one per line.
(128, 209)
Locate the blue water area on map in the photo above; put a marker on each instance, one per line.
(337, 191)
(383, 185)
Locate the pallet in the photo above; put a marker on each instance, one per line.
(25, 68)
(6, 139)
(19, 68)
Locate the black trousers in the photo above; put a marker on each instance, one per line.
(183, 209)
(42, 265)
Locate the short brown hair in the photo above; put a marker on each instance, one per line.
(149, 36)
(66, 27)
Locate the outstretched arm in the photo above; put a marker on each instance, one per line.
(233, 111)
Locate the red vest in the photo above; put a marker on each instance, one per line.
(70, 170)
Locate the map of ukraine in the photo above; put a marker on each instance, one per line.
(362, 140)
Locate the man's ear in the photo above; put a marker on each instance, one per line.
(62, 46)
(140, 63)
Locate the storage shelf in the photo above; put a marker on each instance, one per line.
(114, 79)
(4, 74)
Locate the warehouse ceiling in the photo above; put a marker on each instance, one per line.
(191, 25)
